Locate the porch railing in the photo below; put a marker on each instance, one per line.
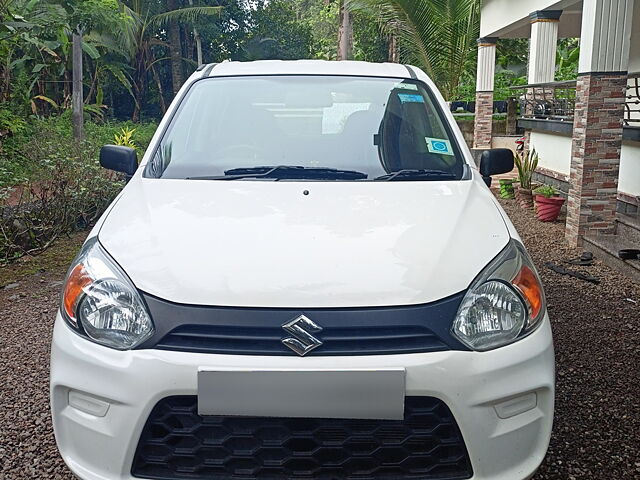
(556, 100)
(632, 101)
(547, 101)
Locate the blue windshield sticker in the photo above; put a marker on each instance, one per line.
(439, 145)
(410, 98)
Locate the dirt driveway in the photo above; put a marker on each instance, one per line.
(596, 329)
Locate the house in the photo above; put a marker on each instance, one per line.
(586, 131)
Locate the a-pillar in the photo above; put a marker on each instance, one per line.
(597, 126)
(484, 92)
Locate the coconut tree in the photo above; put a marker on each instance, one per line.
(140, 37)
(435, 35)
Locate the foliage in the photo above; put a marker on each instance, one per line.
(10, 123)
(437, 35)
(19, 166)
(567, 56)
(546, 191)
(125, 137)
(513, 54)
(526, 163)
(275, 33)
(370, 43)
(503, 81)
(62, 189)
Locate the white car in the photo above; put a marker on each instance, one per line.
(305, 278)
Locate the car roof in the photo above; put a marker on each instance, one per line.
(306, 67)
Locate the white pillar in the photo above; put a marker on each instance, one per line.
(542, 48)
(605, 36)
(486, 64)
(484, 93)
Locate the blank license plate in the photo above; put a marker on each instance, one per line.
(374, 394)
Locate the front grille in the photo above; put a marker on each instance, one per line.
(336, 341)
(345, 331)
(177, 443)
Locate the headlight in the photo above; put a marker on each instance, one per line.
(100, 302)
(504, 303)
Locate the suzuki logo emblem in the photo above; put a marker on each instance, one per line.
(302, 341)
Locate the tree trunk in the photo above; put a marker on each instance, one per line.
(94, 84)
(394, 55)
(345, 34)
(77, 114)
(175, 49)
(198, 40)
(156, 77)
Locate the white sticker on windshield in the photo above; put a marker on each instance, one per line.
(407, 86)
(439, 145)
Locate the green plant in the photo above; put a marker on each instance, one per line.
(526, 163)
(125, 137)
(437, 35)
(51, 186)
(546, 191)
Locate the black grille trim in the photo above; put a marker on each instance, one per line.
(177, 443)
(347, 331)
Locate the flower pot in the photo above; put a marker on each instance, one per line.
(548, 208)
(506, 188)
(525, 197)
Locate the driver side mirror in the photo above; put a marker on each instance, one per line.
(495, 162)
(119, 158)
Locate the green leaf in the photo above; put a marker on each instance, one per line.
(122, 78)
(437, 35)
(46, 99)
(90, 50)
(184, 15)
(38, 67)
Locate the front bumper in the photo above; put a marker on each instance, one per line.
(502, 399)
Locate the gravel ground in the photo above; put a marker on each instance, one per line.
(596, 329)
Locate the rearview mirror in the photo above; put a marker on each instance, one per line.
(119, 158)
(495, 162)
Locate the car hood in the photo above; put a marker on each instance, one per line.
(303, 244)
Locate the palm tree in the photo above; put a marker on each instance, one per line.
(142, 34)
(435, 35)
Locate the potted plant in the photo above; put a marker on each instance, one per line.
(526, 163)
(506, 188)
(548, 203)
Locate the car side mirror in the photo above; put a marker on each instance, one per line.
(495, 162)
(119, 158)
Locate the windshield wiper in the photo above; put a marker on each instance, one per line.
(286, 172)
(417, 173)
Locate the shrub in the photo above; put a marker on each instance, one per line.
(546, 191)
(125, 137)
(54, 185)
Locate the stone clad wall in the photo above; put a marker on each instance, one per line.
(483, 120)
(595, 154)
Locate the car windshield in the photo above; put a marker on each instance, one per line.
(308, 127)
